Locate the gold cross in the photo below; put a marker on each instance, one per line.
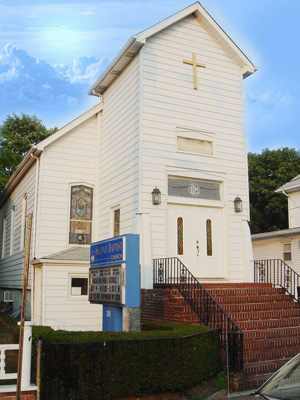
(195, 64)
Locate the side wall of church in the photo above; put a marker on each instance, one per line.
(69, 160)
(11, 264)
(213, 112)
(119, 161)
(294, 210)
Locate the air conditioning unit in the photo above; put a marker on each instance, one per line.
(8, 297)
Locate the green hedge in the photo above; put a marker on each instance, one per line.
(118, 368)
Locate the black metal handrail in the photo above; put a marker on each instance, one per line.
(171, 272)
(277, 272)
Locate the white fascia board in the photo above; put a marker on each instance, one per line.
(132, 47)
(69, 127)
(129, 50)
(225, 41)
(173, 19)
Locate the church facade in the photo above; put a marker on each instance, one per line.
(169, 125)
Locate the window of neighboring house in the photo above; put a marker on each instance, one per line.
(78, 286)
(116, 222)
(81, 214)
(12, 231)
(23, 226)
(3, 237)
(287, 251)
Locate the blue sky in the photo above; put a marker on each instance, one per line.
(51, 51)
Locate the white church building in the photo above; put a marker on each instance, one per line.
(170, 120)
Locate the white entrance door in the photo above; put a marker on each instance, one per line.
(196, 238)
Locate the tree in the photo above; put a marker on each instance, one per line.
(267, 172)
(17, 135)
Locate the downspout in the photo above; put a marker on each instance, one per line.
(35, 204)
(34, 231)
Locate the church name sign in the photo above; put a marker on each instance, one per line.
(110, 251)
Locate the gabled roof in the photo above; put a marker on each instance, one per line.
(291, 186)
(82, 118)
(135, 43)
(37, 150)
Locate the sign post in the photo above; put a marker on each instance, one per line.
(115, 281)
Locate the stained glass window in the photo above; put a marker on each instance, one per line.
(81, 214)
(209, 237)
(180, 236)
(117, 222)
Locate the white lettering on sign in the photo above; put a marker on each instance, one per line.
(108, 313)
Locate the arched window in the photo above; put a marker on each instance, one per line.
(81, 214)
(180, 236)
(208, 237)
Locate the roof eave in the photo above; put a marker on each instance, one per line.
(134, 44)
(118, 64)
(19, 173)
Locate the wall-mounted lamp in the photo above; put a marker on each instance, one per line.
(238, 204)
(156, 196)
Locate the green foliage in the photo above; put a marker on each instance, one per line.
(267, 172)
(149, 331)
(221, 380)
(17, 135)
(118, 368)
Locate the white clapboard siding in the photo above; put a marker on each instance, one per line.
(119, 149)
(62, 311)
(267, 249)
(69, 160)
(294, 209)
(11, 267)
(273, 249)
(170, 105)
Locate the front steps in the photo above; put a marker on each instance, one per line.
(270, 321)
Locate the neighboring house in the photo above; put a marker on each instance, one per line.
(171, 118)
(283, 244)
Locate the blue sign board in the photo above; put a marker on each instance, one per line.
(107, 252)
(115, 277)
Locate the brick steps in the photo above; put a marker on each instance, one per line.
(269, 319)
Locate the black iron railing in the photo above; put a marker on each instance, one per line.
(170, 272)
(278, 273)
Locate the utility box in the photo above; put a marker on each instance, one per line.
(115, 281)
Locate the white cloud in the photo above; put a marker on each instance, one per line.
(269, 98)
(31, 85)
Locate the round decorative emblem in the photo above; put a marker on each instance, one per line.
(194, 189)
